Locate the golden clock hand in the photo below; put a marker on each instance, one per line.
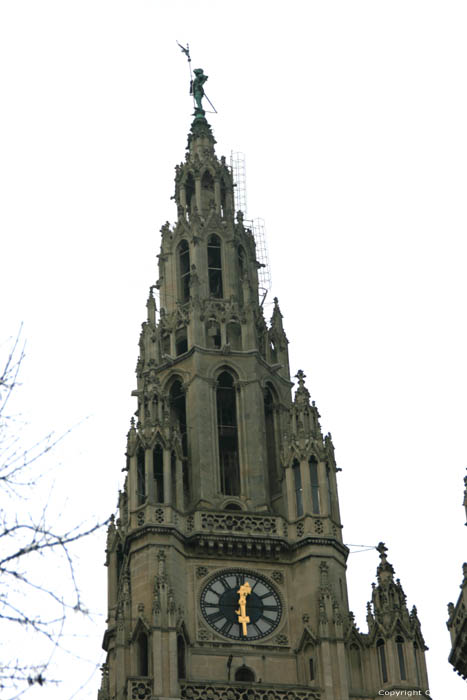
(243, 618)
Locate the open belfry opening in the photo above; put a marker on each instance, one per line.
(226, 562)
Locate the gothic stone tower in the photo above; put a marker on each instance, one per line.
(226, 565)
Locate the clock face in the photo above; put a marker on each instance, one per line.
(221, 605)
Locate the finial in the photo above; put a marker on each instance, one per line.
(240, 216)
(301, 378)
(382, 549)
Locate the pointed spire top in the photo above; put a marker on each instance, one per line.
(302, 395)
(382, 549)
(385, 571)
(151, 306)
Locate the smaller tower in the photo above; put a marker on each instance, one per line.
(457, 622)
(391, 657)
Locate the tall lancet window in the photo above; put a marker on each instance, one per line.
(228, 435)
(382, 660)
(223, 197)
(207, 190)
(329, 488)
(215, 267)
(184, 271)
(189, 191)
(158, 466)
(417, 667)
(143, 654)
(297, 477)
(271, 447)
(241, 260)
(314, 485)
(401, 658)
(140, 476)
(178, 413)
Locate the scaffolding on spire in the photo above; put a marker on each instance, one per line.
(237, 163)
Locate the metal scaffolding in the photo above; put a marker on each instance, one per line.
(237, 162)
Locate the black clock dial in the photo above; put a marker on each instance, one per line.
(220, 601)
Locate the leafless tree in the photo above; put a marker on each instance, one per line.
(38, 586)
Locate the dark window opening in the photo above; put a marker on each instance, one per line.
(214, 339)
(329, 489)
(141, 476)
(158, 467)
(143, 655)
(273, 352)
(207, 190)
(173, 477)
(189, 190)
(234, 335)
(223, 196)
(313, 464)
(271, 447)
(312, 669)
(215, 267)
(228, 435)
(178, 413)
(382, 660)
(241, 273)
(181, 341)
(417, 668)
(400, 656)
(298, 487)
(184, 268)
(181, 666)
(166, 344)
(119, 561)
(244, 674)
(232, 506)
(355, 667)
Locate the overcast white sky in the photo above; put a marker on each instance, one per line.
(352, 116)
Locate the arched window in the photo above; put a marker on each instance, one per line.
(213, 333)
(271, 442)
(273, 352)
(313, 464)
(356, 675)
(143, 654)
(234, 335)
(207, 190)
(382, 660)
(242, 273)
(173, 478)
(298, 487)
(417, 667)
(158, 467)
(400, 657)
(141, 476)
(181, 341)
(181, 666)
(223, 196)
(228, 435)
(178, 413)
(189, 190)
(329, 488)
(243, 673)
(232, 506)
(119, 560)
(184, 271)
(215, 267)
(166, 344)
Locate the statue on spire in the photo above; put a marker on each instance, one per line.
(197, 90)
